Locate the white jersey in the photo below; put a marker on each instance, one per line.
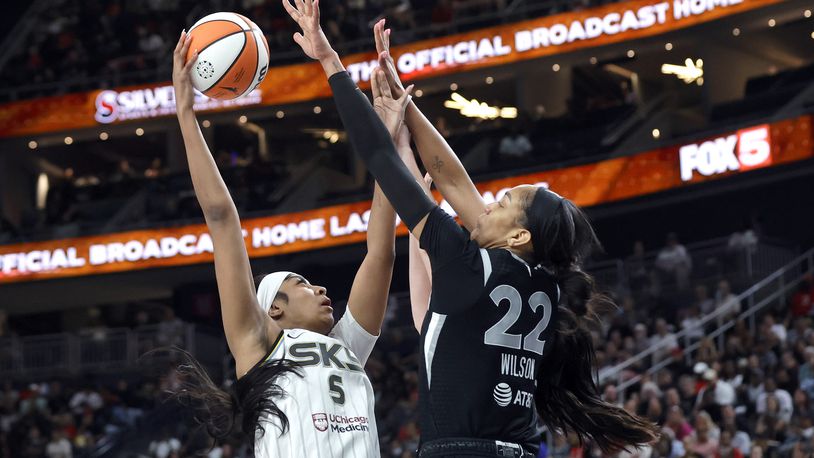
(330, 408)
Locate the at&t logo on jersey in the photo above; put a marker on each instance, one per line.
(320, 421)
(745, 150)
(503, 394)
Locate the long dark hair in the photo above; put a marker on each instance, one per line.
(251, 401)
(567, 396)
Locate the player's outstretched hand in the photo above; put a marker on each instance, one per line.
(312, 40)
(382, 38)
(389, 109)
(181, 68)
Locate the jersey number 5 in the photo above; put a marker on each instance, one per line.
(498, 335)
(335, 388)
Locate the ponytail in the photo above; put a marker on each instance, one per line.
(251, 402)
(567, 397)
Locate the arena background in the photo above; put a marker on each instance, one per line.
(684, 127)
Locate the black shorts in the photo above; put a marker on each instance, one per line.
(472, 448)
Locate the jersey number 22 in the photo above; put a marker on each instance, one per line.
(498, 334)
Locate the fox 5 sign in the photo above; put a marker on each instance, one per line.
(747, 149)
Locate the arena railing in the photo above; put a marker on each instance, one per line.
(712, 260)
(773, 289)
(102, 350)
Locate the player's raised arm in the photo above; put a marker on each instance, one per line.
(244, 322)
(446, 169)
(369, 135)
(368, 295)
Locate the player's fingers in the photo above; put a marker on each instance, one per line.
(180, 41)
(428, 178)
(192, 59)
(407, 96)
(377, 36)
(185, 46)
(386, 63)
(315, 10)
(291, 10)
(300, 6)
(300, 39)
(387, 40)
(309, 7)
(374, 84)
(385, 88)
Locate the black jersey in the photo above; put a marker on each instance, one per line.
(483, 340)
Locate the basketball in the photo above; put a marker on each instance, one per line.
(233, 55)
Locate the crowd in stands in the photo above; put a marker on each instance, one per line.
(128, 42)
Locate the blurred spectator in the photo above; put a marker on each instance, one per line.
(156, 169)
(165, 447)
(715, 395)
(59, 447)
(725, 300)
(34, 446)
(783, 405)
(702, 300)
(703, 441)
(726, 448)
(674, 262)
(516, 145)
(677, 424)
(123, 172)
(803, 300)
(637, 271)
(806, 374)
(170, 329)
(86, 398)
(665, 340)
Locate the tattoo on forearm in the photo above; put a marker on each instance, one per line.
(437, 164)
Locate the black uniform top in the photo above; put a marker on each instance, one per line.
(482, 340)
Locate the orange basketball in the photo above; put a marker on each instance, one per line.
(233, 55)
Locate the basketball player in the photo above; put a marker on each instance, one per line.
(499, 351)
(297, 371)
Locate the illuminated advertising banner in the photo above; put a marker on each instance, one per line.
(591, 184)
(491, 46)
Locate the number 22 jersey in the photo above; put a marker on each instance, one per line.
(483, 339)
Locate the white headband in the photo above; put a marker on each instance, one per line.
(269, 288)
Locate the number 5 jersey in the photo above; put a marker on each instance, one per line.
(329, 408)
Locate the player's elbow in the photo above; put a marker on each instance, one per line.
(219, 212)
(382, 257)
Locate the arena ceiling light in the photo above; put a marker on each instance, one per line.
(475, 109)
(690, 72)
